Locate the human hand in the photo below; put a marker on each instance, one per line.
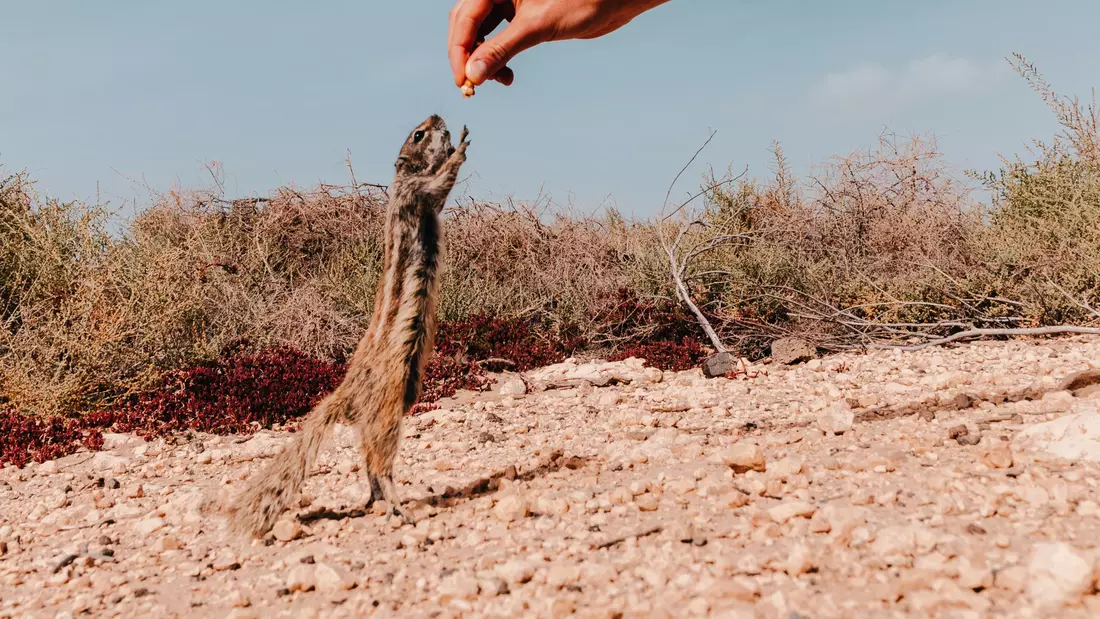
(530, 22)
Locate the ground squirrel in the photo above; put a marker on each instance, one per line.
(384, 378)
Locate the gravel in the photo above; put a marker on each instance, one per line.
(955, 482)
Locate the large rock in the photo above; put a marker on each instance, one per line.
(569, 373)
(719, 364)
(1057, 575)
(791, 350)
(1082, 383)
(510, 384)
(1073, 437)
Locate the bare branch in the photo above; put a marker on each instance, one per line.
(977, 333)
(1069, 296)
(683, 169)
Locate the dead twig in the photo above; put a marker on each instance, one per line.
(507, 362)
(81, 552)
(639, 534)
(978, 333)
(1090, 309)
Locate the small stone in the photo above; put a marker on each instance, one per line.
(380, 507)
(332, 578)
(791, 509)
(621, 495)
(819, 523)
(301, 578)
(511, 507)
(962, 435)
(1013, 578)
(647, 502)
(974, 573)
(786, 468)
(653, 375)
(562, 607)
(961, 401)
(895, 545)
(999, 456)
(287, 530)
(516, 572)
(681, 485)
(168, 542)
(798, 561)
(1057, 575)
(610, 400)
(47, 468)
(149, 526)
(560, 575)
(458, 586)
(237, 599)
(512, 386)
(225, 561)
(836, 419)
(744, 457)
(791, 350)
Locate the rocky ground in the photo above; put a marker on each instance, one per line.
(958, 482)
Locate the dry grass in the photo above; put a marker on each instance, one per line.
(879, 246)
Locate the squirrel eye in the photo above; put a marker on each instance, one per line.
(419, 135)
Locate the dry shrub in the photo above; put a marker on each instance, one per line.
(887, 246)
(511, 261)
(1042, 246)
(90, 319)
(869, 237)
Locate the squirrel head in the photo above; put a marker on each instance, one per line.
(426, 148)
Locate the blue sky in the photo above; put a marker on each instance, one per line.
(116, 94)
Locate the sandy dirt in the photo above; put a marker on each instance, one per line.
(952, 482)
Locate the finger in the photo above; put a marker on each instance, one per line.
(501, 12)
(505, 76)
(465, 21)
(493, 55)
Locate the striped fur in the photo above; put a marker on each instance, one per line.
(385, 375)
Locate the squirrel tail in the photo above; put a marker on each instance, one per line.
(274, 489)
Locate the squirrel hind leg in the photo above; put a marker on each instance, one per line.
(389, 491)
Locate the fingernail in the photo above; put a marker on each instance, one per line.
(477, 71)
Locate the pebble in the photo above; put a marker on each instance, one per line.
(332, 578)
(511, 507)
(999, 456)
(647, 502)
(838, 418)
(974, 573)
(744, 457)
(791, 509)
(286, 530)
(516, 571)
(302, 577)
(799, 561)
(149, 526)
(460, 586)
(226, 560)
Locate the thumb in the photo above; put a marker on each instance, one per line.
(492, 55)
